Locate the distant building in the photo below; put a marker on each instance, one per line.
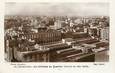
(57, 24)
(85, 30)
(34, 22)
(104, 34)
(93, 31)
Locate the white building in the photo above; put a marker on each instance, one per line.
(68, 41)
(57, 24)
(104, 34)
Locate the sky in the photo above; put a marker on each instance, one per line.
(57, 9)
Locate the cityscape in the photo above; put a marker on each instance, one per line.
(64, 38)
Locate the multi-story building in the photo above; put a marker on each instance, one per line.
(104, 34)
(57, 24)
(43, 37)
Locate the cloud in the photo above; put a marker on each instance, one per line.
(59, 9)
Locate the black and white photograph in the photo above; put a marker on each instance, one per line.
(56, 32)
